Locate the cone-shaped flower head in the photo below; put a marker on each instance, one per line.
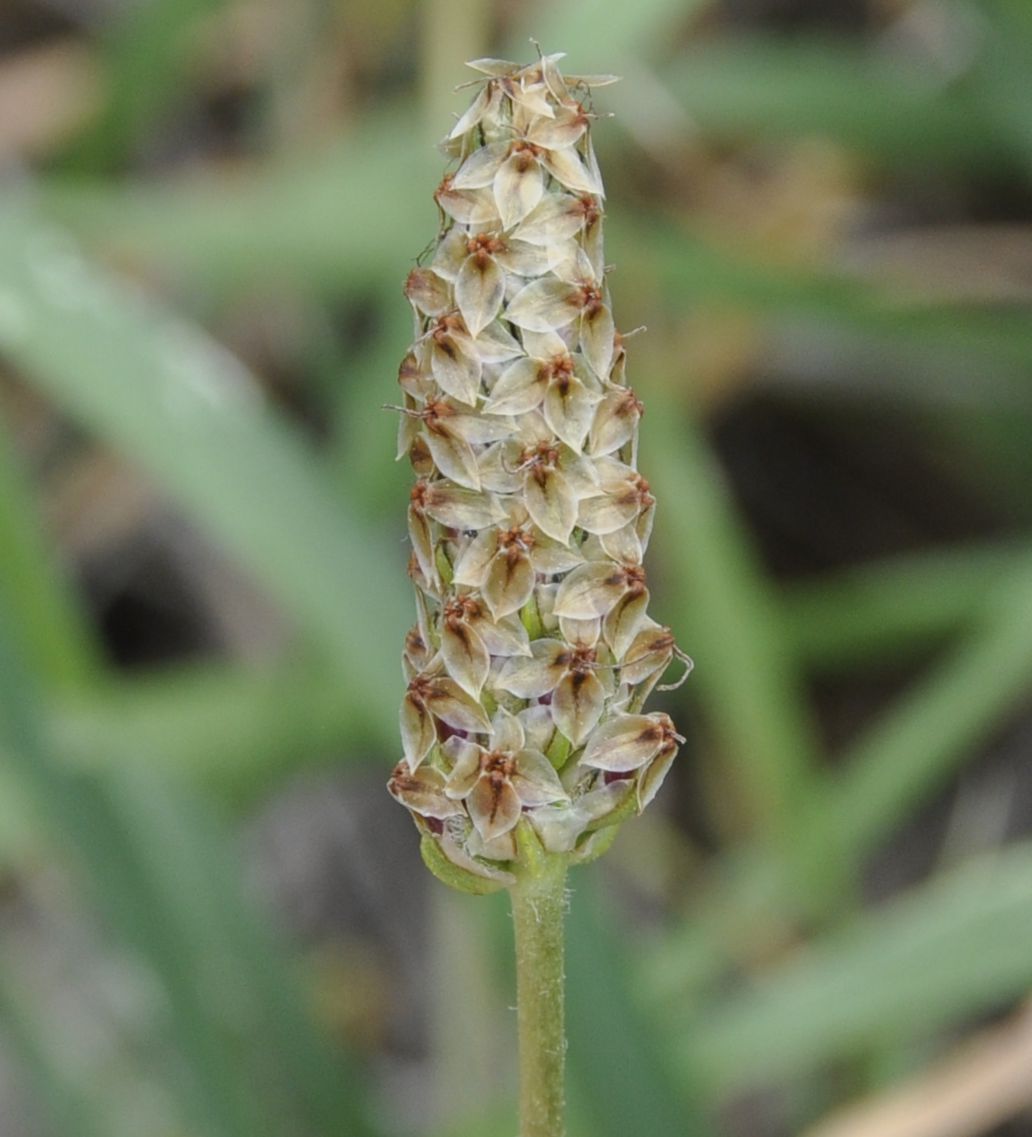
(533, 652)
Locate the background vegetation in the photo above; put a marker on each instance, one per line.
(213, 923)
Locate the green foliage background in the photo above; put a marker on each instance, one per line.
(236, 165)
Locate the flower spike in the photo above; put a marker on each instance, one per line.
(533, 652)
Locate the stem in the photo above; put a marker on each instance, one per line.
(538, 910)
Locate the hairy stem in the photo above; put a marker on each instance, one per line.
(538, 910)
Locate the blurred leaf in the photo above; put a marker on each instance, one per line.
(47, 623)
(145, 62)
(691, 268)
(81, 813)
(50, 623)
(903, 758)
(621, 1074)
(71, 1110)
(893, 110)
(465, 943)
(918, 743)
(354, 216)
(241, 976)
(745, 908)
(164, 881)
(365, 430)
(987, 444)
(187, 412)
(183, 409)
(500, 1122)
(955, 948)
(726, 616)
(232, 729)
(1007, 58)
(894, 609)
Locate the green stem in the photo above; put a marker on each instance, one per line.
(538, 911)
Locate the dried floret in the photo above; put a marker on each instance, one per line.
(499, 782)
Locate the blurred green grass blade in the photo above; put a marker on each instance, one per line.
(187, 413)
(69, 1109)
(231, 729)
(908, 754)
(214, 1092)
(164, 880)
(78, 811)
(145, 58)
(172, 937)
(794, 88)
(365, 432)
(1007, 61)
(917, 744)
(51, 626)
(988, 447)
(893, 610)
(620, 1071)
(18, 831)
(692, 268)
(45, 622)
(500, 1122)
(747, 905)
(463, 945)
(237, 968)
(354, 216)
(955, 948)
(726, 616)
